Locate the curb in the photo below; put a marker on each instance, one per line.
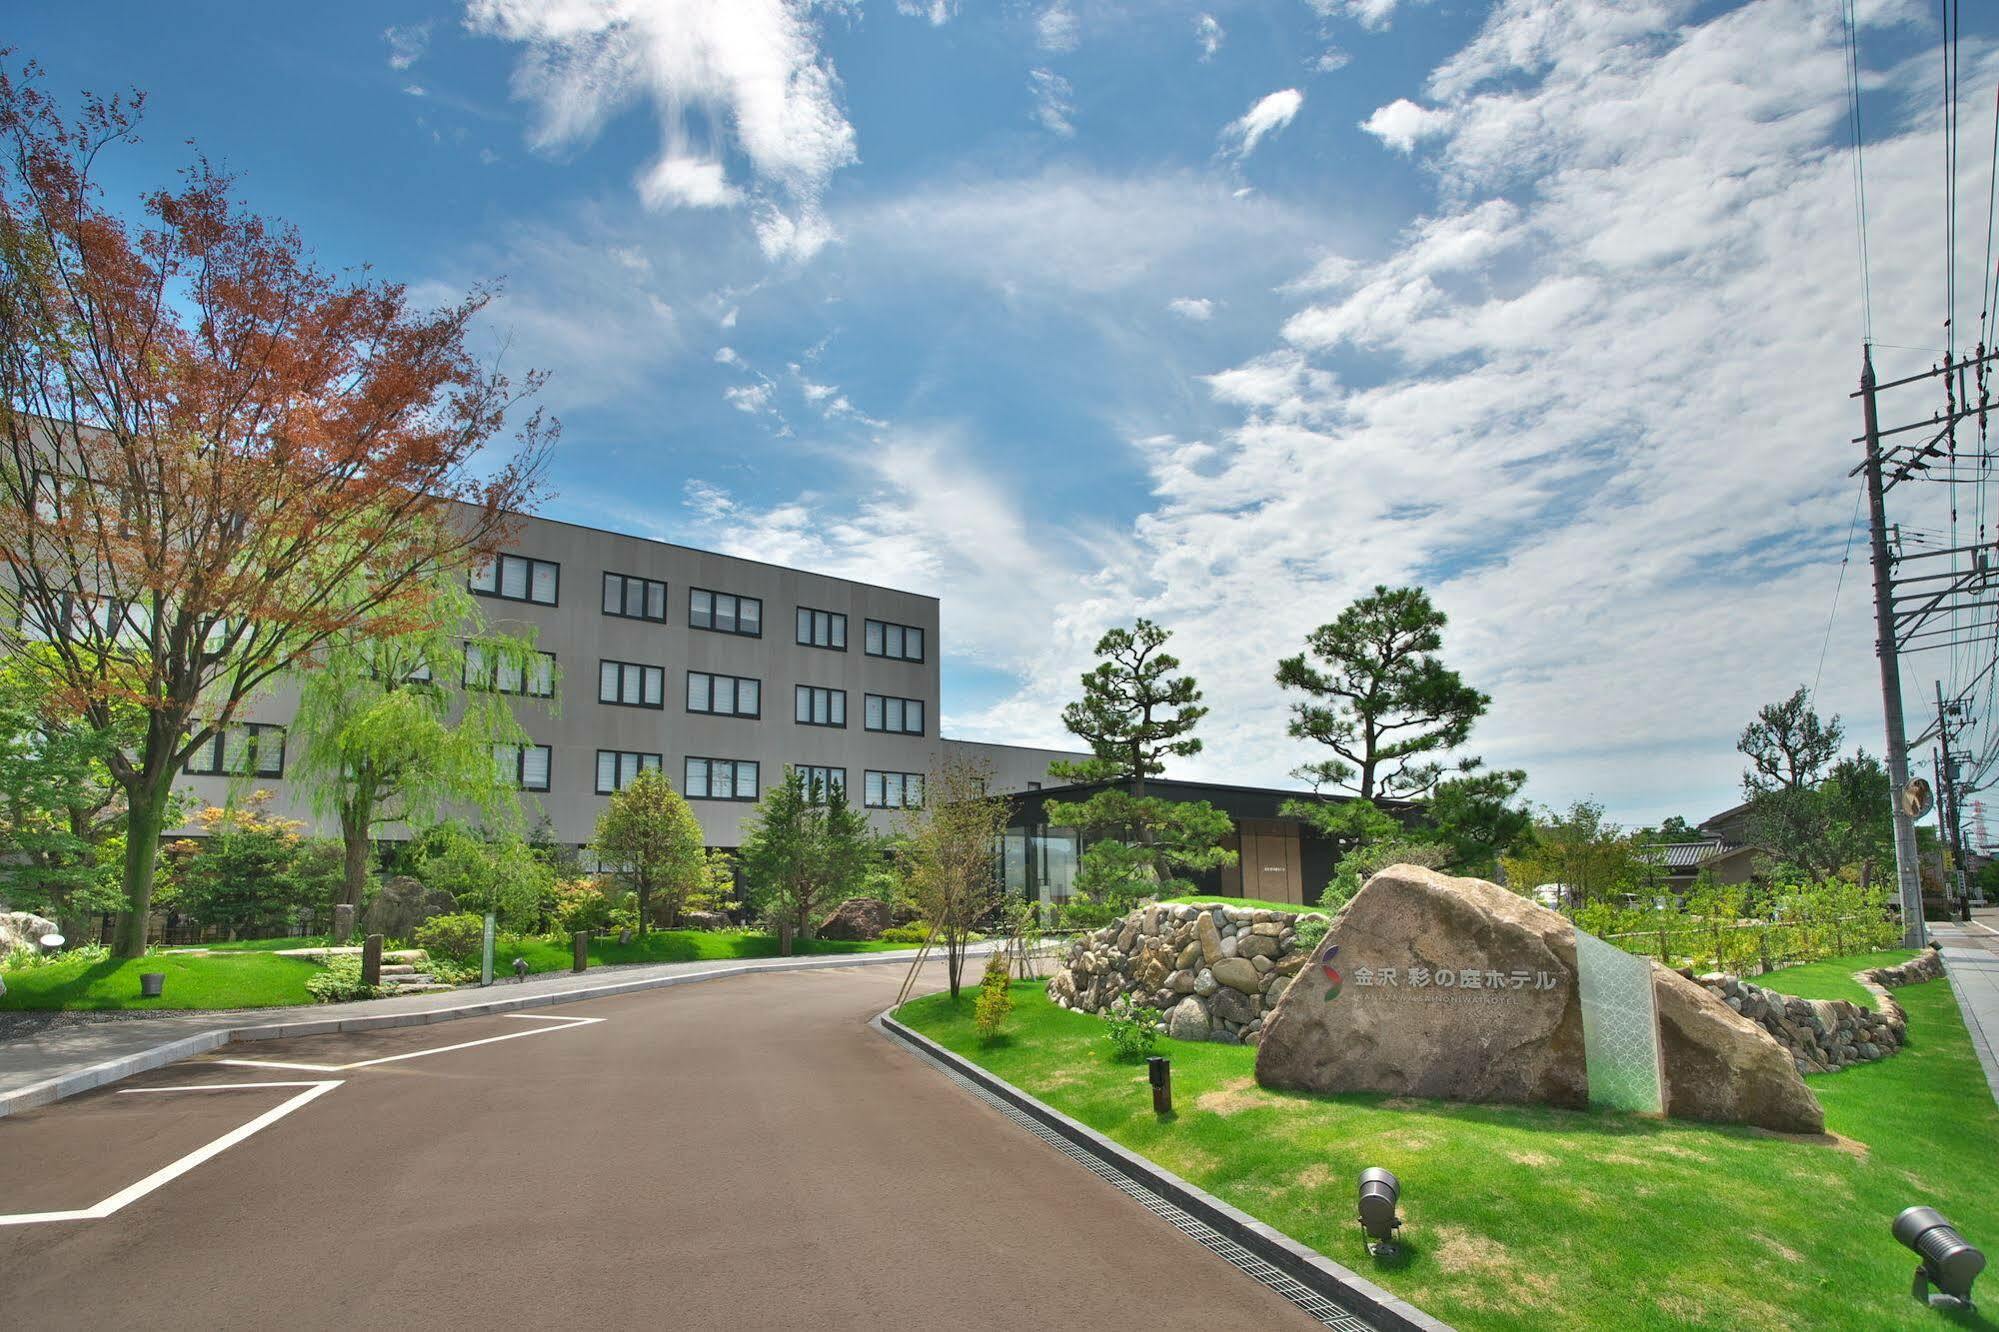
(82, 1080)
(1302, 1264)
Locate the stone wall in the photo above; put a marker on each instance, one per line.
(1213, 970)
(1927, 967)
(1821, 1035)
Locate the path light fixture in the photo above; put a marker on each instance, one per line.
(1159, 1072)
(1379, 1191)
(50, 942)
(520, 968)
(1949, 1264)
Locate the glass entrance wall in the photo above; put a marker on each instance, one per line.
(1041, 863)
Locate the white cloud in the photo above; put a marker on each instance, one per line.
(1401, 123)
(1370, 14)
(415, 90)
(1056, 29)
(1268, 116)
(1053, 104)
(1197, 308)
(407, 43)
(938, 12)
(1331, 60)
(752, 68)
(1565, 373)
(1208, 35)
(752, 398)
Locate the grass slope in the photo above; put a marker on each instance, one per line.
(1254, 903)
(215, 980)
(1526, 1218)
(1831, 979)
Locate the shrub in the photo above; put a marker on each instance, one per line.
(995, 1000)
(1356, 867)
(581, 905)
(29, 956)
(1310, 930)
(913, 933)
(447, 971)
(458, 935)
(1133, 1029)
(340, 981)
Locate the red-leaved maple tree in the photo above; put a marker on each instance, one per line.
(215, 455)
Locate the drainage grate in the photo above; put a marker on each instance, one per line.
(1326, 1311)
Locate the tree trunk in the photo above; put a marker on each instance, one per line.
(354, 830)
(954, 960)
(145, 812)
(645, 906)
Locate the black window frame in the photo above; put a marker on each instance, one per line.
(521, 766)
(490, 684)
(827, 690)
(499, 580)
(736, 597)
(736, 692)
(623, 666)
(216, 750)
(735, 785)
(904, 777)
(665, 597)
(806, 771)
(885, 728)
(597, 776)
(815, 612)
(885, 626)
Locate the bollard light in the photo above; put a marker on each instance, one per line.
(1159, 1072)
(1949, 1264)
(1379, 1191)
(520, 968)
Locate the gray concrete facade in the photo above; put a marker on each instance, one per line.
(569, 619)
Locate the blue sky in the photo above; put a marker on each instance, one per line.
(1069, 310)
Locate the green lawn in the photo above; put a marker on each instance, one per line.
(1832, 979)
(1253, 903)
(259, 945)
(673, 946)
(1524, 1218)
(194, 980)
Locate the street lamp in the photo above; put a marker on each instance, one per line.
(1950, 1264)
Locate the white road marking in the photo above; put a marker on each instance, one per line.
(567, 1023)
(194, 1158)
(1981, 925)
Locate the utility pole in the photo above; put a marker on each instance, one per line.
(1950, 817)
(1907, 875)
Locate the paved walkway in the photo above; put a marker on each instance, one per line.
(58, 1062)
(741, 1154)
(1971, 955)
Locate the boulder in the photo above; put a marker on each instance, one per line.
(857, 918)
(1234, 1006)
(1257, 945)
(1428, 985)
(1237, 974)
(402, 904)
(704, 920)
(1188, 1021)
(1210, 939)
(23, 929)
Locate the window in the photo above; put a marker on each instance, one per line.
(893, 790)
(634, 598)
(903, 642)
(515, 578)
(725, 613)
(525, 766)
(904, 716)
(504, 672)
(630, 685)
(617, 767)
(818, 628)
(720, 779)
(727, 695)
(821, 707)
(246, 749)
(819, 780)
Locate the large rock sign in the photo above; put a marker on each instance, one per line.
(1427, 985)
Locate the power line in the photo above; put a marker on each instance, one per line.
(1852, 526)
(1847, 18)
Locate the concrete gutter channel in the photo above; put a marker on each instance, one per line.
(489, 1003)
(1332, 1282)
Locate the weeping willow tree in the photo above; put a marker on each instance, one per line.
(402, 728)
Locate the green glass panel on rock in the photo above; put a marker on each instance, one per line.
(1620, 1027)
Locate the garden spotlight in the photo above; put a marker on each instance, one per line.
(520, 968)
(1949, 1263)
(1379, 1191)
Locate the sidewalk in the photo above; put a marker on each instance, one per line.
(1971, 956)
(50, 1065)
